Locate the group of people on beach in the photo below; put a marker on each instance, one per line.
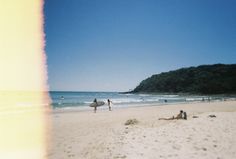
(109, 102)
(181, 115)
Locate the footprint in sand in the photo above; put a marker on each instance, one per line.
(196, 148)
(71, 155)
(120, 156)
(189, 139)
(176, 147)
(86, 153)
(206, 139)
(204, 149)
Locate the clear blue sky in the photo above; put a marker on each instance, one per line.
(112, 45)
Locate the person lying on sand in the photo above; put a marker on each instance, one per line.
(181, 115)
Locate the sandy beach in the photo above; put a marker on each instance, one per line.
(104, 135)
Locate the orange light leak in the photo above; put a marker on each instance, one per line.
(24, 99)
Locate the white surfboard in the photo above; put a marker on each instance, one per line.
(98, 104)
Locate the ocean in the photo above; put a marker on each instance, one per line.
(66, 100)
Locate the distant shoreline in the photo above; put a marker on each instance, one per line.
(147, 105)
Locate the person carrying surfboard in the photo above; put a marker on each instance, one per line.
(96, 104)
(95, 107)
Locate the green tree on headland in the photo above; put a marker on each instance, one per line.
(204, 79)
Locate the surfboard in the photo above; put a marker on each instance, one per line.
(98, 104)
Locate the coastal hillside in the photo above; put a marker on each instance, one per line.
(204, 79)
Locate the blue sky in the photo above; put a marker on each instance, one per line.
(112, 45)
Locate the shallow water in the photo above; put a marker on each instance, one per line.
(83, 99)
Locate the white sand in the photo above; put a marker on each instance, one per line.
(86, 135)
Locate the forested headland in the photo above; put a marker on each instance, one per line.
(204, 79)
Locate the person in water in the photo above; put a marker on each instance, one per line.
(95, 107)
(181, 115)
(109, 104)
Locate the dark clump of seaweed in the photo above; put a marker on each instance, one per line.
(131, 122)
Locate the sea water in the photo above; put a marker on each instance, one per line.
(83, 99)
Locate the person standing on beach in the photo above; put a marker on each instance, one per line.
(109, 104)
(95, 107)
